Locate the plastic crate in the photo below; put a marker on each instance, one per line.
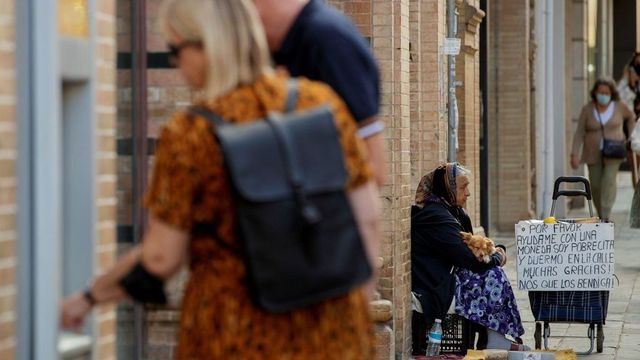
(456, 335)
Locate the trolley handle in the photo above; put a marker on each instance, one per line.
(586, 192)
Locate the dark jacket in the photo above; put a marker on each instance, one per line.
(437, 246)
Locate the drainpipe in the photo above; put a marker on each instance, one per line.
(550, 94)
(544, 105)
(540, 105)
(452, 102)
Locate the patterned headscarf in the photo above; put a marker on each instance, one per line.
(441, 183)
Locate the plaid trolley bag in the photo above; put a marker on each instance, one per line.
(588, 307)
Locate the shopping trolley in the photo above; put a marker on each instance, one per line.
(587, 307)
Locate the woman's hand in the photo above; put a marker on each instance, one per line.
(73, 310)
(503, 254)
(574, 161)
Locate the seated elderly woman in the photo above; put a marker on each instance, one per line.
(441, 265)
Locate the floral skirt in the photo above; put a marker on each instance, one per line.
(487, 299)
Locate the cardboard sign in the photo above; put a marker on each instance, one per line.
(564, 256)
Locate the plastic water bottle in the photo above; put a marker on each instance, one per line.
(435, 339)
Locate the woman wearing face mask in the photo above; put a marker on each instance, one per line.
(602, 118)
(443, 266)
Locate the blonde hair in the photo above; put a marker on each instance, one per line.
(231, 35)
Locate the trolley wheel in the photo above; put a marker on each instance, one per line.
(538, 335)
(599, 339)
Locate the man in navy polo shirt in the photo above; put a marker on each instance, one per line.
(314, 40)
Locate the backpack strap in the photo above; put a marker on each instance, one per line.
(207, 114)
(292, 95)
(309, 213)
(290, 104)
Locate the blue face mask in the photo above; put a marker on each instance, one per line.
(603, 99)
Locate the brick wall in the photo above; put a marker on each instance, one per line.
(392, 25)
(8, 183)
(428, 102)
(406, 38)
(509, 114)
(432, 132)
(391, 48)
(468, 95)
(375, 21)
(417, 96)
(359, 11)
(106, 166)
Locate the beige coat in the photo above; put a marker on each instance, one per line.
(589, 131)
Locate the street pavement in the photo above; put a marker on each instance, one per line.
(622, 328)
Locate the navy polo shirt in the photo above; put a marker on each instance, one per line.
(323, 44)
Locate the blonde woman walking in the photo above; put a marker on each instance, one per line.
(220, 48)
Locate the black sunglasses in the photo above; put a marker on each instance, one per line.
(174, 50)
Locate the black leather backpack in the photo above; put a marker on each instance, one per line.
(298, 234)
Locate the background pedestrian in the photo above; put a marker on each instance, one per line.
(602, 118)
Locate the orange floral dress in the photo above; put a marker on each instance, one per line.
(190, 190)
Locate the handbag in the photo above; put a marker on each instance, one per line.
(299, 238)
(612, 149)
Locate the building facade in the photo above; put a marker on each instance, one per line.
(83, 97)
(406, 38)
(84, 93)
(57, 171)
(543, 58)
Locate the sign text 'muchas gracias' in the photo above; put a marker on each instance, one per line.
(564, 256)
